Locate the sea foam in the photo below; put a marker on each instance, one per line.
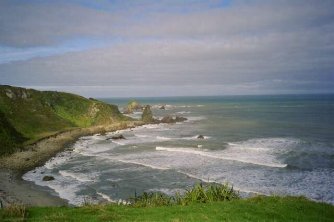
(263, 160)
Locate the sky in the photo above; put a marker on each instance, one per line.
(133, 48)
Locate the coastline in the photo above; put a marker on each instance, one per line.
(13, 189)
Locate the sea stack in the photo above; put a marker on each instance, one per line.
(147, 115)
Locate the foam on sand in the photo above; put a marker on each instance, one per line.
(66, 188)
(78, 176)
(142, 164)
(106, 197)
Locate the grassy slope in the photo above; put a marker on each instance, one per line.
(9, 137)
(35, 114)
(254, 209)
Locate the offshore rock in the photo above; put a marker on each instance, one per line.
(118, 137)
(167, 119)
(180, 119)
(147, 115)
(48, 178)
(132, 106)
(170, 119)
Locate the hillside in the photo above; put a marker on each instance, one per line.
(27, 115)
(9, 137)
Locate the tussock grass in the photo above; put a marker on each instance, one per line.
(198, 194)
(17, 211)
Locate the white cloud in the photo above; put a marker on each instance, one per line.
(238, 47)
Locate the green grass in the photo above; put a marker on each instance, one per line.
(254, 209)
(9, 137)
(33, 114)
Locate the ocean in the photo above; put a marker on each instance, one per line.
(272, 145)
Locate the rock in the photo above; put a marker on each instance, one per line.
(147, 115)
(48, 178)
(118, 137)
(132, 106)
(27, 159)
(200, 137)
(167, 119)
(162, 107)
(24, 95)
(170, 119)
(9, 93)
(180, 119)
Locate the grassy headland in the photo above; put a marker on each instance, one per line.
(36, 125)
(27, 115)
(39, 124)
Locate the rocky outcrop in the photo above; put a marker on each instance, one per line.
(118, 137)
(147, 115)
(170, 119)
(48, 178)
(180, 119)
(132, 106)
(200, 137)
(167, 119)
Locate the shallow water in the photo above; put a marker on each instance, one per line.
(261, 144)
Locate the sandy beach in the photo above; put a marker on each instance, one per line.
(13, 189)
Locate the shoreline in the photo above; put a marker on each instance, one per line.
(13, 189)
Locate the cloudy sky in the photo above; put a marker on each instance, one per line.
(112, 48)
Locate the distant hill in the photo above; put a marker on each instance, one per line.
(27, 115)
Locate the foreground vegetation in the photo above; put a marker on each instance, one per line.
(212, 202)
(198, 194)
(28, 115)
(254, 209)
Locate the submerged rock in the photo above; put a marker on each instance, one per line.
(200, 137)
(48, 178)
(162, 107)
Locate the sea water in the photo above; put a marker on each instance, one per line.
(259, 144)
